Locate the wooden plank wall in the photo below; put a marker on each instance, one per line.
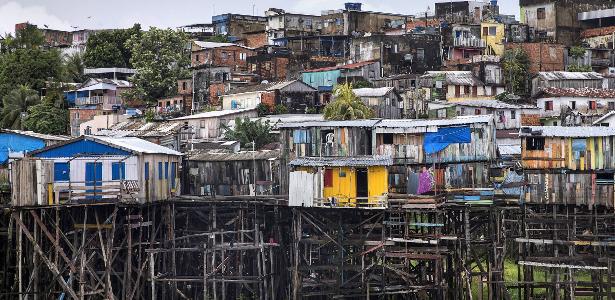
(559, 153)
(575, 189)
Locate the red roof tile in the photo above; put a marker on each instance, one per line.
(583, 92)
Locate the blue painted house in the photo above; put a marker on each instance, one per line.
(16, 143)
(325, 79)
(93, 169)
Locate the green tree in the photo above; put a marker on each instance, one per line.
(263, 109)
(73, 66)
(219, 38)
(160, 57)
(25, 62)
(15, 104)
(246, 131)
(108, 48)
(50, 116)
(346, 106)
(577, 53)
(516, 64)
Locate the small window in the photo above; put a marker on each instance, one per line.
(327, 136)
(548, 105)
(541, 13)
(160, 171)
(493, 30)
(477, 111)
(146, 171)
(328, 178)
(485, 31)
(466, 89)
(184, 85)
(118, 171)
(535, 143)
(166, 170)
(611, 105)
(61, 171)
(573, 104)
(387, 139)
(173, 174)
(463, 111)
(592, 105)
(513, 114)
(197, 58)
(420, 54)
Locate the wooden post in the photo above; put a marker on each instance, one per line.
(19, 256)
(152, 275)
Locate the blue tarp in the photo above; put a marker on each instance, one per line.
(437, 141)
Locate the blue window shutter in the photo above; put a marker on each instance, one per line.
(146, 171)
(160, 170)
(118, 171)
(61, 171)
(173, 174)
(166, 170)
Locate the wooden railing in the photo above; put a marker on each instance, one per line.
(374, 202)
(107, 190)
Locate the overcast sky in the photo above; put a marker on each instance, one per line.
(97, 14)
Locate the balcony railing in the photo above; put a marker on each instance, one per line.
(108, 102)
(469, 42)
(374, 202)
(601, 62)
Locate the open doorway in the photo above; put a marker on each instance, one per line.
(362, 191)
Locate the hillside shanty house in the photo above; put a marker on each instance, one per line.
(507, 115)
(567, 80)
(96, 169)
(244, 173)
(167, 134)
(455, 86)
(294, 95)
(359, 181)
(94, 97)
(569, 165)
(220, 55)
(208, 125)
(574, 106)
(385, 101)
(325, 79)
(607, 120)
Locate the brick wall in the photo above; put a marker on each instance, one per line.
(215, 90)
(234, 57)
(256, 39)
(275, 69)
(184, 86)
(544, 57)
(268, 99)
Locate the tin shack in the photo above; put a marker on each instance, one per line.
(95, 169)
(569, 165)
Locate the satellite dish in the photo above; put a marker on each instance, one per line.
(264, 82)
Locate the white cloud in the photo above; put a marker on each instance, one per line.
(13, 13)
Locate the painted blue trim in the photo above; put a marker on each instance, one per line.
(81, 147)
(160, 171)
(146, 171)
(166, 170)
(93, 178)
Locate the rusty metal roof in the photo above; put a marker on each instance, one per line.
(355, 161)
(238, 156)
(454, 77)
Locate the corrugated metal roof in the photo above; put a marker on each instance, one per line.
(606, 116)
(214, 114)
(461, 120)
(495, 104)
(351, 123)
(373, 92)
(356, 161)
(572, 92)
(38, 135)
(239, 156)
(342, 67)
(454, 77)
(561, 131)
(559, 75)
(212, 45)
(509, 150)
(135, 144)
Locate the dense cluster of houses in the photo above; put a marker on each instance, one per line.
(445, 117)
